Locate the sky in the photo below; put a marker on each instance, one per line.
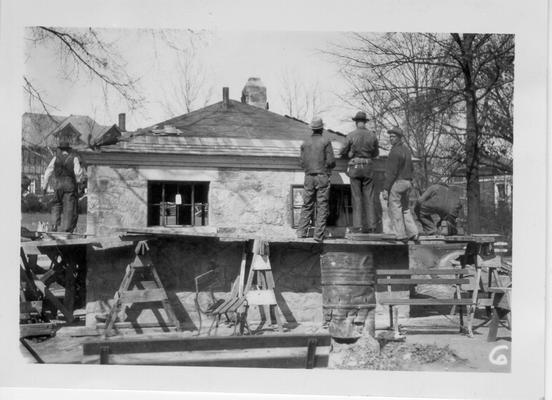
(222, 58)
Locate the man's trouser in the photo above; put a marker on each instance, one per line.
(447, 221)
(362, 196)
(65, 210)
(402, 223)
(316, 190)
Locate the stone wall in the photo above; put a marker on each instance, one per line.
(296, 272)
(254, 202)
(250, 201)
(296, 269)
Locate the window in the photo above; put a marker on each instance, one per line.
(340, 208)
(178, 203)
(501, 189)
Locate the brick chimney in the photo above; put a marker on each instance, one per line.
(254, 93)
(225, 97)
(122, 122)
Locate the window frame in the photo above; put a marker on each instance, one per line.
(162, 219)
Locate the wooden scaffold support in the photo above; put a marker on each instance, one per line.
(146, 291)
(259, 288)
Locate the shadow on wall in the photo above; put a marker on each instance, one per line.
(178, 261)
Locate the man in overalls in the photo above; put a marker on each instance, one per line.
(361, 147)
(66, 168)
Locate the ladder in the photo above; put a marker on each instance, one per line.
(146, 291)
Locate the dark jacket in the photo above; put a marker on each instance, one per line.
(317, 155)
(360, 143)
(64, 169)
(399, 165)
(440, 199)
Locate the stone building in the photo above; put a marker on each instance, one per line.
(231, 167)
(227, 169)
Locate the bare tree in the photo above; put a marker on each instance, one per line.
(435, 85)
(84, 51)
(191, 89)
(302, 99)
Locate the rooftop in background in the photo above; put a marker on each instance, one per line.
(42, 129)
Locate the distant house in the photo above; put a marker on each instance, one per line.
(40, 135)
(496, 194)
(231, 166)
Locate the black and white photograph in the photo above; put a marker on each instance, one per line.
(212, 199)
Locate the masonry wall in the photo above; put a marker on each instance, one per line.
(251, 201)
(254, 202)
(296, 269)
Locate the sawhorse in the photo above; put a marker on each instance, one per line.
(149, 292)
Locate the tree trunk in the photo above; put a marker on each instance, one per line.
(472, 164)
(472, 133)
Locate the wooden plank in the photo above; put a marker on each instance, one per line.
(142, 296)
(431, 271)
(203, 231)
(40, 329)
(261, 297)
(498, 289)
(134, 325)
(311, 353)
(260, 263)
(59, 243)
(471, 238)
(124, 346)
(370, 236)
(241, 281)
(31, 350)
(248, 358)
(234, 307)
(225, 307)
(69, 285)
(427, 281)
(54, 300)
(426, 302)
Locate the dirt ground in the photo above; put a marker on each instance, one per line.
(432, 344)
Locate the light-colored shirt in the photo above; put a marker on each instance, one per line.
(77, 169)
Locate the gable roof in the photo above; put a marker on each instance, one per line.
(42, 129)
(237, 120)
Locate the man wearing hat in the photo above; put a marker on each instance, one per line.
(361, 147)
(317, 159)
(398, 183)
(66, 168)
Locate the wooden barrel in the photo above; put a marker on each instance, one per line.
(348, 290)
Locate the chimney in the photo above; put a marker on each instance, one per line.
(225, 97)
(254, 93)
(122, 122)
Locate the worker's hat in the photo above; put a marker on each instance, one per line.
(360, 116)
(396, 131)
(317, 123)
